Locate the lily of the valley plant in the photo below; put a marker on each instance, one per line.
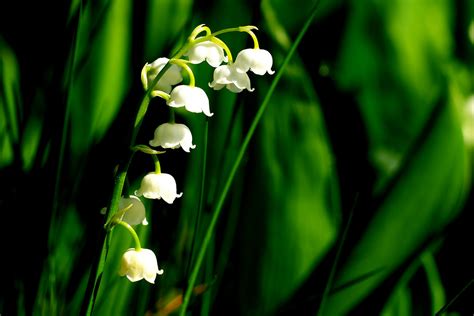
(164, 78)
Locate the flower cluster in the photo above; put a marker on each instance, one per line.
(164, 78)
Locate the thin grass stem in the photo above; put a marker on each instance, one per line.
(220, 202)
(332, 273)
(201, 198)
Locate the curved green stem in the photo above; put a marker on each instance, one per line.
(193, 41)
(161, 94)
(157, 164)
(98, 266)
(246, 28)
(224, 46)
(199, 29)
(145, 102)
(117, 217)
(255, 40)
(220, 202)
(132, 231)
(172, 115)
(184, 65)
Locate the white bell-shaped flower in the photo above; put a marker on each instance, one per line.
(194, 99)
(157, 186)
(259, 61)
(208, 51)
(171, 77)
(228, 76)
(172, 135)
(139, 264)
(135, 214)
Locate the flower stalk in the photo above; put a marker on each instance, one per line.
(160, 79)
(98, 267)
(132, 231)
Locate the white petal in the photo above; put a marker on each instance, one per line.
(171, 77)
(259, 61)
(199, 102)
(150, 186)
(194, 99)
(229, 76)
(136, 213)
(233, 88)
(168, 188)
(177, 96)
(150, 265)
(241, 80)
(216, 86)
(139, 264)
(209, 51)
(171, 135)
(131, 266)
(221, 75)
(156, 186)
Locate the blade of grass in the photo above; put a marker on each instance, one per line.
(455, 298)
(227, 240)
(201, 199)
(64, 135)
(435, 284)
(356, 280)
(332, 273)
(220, 201)
(208, 271)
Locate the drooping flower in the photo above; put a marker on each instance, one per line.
(228, 76)
(208, 51)
(259, 61)
(136, 213)
(194, 99)
(157, 186)
(171, 77)
(172, 135)
(139, 264)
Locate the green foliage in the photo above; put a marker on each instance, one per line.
(101, 71)
(400, 70)
(295, 201)
(9, 107)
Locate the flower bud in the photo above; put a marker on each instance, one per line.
(135, 214)
(171, 77)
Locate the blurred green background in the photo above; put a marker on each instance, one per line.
(354, 196)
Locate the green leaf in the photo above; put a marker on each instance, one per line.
(60, 264)
(412, 212)
(400, 304)
(438, 297)
(165, 19)
(102, 72)
(397, 71)
(292, 210)
(10, 109)
(147, 150)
